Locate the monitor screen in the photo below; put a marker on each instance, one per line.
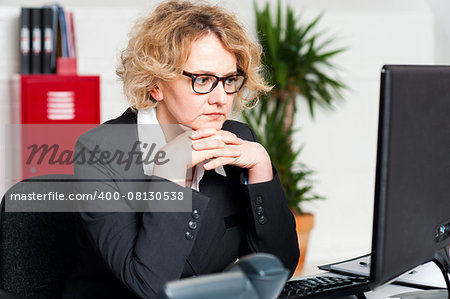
(412, 193)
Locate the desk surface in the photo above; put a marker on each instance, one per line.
(388, 290)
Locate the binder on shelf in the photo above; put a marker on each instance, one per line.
(63, 33)
(55, 37)
(36, 41)
(48, 50)
(25, 40)
(71, 34)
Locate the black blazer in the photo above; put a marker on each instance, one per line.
(124, 254)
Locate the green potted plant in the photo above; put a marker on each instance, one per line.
(297, 66)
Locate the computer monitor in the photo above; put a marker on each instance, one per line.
(412, 193)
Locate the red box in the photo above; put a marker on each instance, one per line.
(40, 94)
(60, 102)
(66, 66)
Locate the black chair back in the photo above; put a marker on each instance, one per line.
(37, 249)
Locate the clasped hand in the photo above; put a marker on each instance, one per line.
(218, 148)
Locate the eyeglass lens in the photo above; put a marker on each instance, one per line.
(206, 83)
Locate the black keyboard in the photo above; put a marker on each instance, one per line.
(325, 287)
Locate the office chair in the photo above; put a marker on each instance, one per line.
(37, 249)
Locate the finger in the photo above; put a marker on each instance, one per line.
(202, 133)
(224, 136)
(210, 143)
(222, 152)
(217, 162)
(200, 156)
(230, 138)
(216, 141)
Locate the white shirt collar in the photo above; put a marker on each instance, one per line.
(148, 117)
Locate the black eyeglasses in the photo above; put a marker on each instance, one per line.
(205, 83)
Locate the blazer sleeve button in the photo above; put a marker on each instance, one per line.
(189, 235)
(258, 200)
(259, 210)
(262, 220)
(193, 224)
(195, 214)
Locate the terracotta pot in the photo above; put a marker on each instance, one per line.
(304, 224)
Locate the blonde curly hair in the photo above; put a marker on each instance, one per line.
(159, 47)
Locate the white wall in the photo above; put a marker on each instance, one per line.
(340, 145)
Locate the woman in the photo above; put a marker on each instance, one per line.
(185, 64)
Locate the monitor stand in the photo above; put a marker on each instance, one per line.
(442, 260)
